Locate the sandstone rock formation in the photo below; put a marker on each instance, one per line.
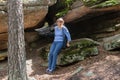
(34, 13)
(95, 19)
(80, 11)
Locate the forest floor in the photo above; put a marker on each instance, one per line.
(105, 66)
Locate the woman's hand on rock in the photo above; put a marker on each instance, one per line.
(68, 44)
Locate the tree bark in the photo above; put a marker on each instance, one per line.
(16, 43)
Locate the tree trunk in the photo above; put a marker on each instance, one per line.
(16, 43)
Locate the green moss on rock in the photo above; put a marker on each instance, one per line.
(101, 3)
(108, 3)
(78, 50)
(112, 43)
(76, 55)
(67, 4)
(91, 2)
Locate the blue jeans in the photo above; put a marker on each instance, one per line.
(54, 51)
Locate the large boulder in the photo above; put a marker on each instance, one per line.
(34, 13)
(84, 12)
(78, 50)
(96, 19)
(112, 43)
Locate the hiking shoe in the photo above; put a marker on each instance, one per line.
(48, 71)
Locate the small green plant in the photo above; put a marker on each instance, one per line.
(62, 13)
(67, 4)
(109, 3)
(91, 2)
(101, 3)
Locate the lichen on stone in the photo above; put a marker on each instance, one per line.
(79, 50)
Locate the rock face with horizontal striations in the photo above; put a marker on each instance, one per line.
(79, 50)
(112, 43)
(34, 13)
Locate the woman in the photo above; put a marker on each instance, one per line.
(60, 31)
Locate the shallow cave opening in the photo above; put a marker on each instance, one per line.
(87, 26)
